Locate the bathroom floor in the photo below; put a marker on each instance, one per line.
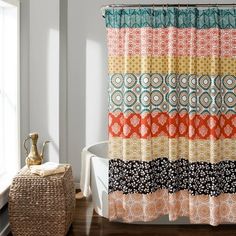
(88, 222)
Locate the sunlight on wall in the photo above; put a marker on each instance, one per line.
(53, 96)
(94, 90)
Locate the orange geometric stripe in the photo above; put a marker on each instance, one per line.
(172, 125)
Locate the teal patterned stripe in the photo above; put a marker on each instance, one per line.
(171, 17)
(172, 93)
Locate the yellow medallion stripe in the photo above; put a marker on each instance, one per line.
(211, 151)
(181, 65)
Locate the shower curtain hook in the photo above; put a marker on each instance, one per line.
(153, 8)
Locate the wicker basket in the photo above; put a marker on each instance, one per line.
(41, 205)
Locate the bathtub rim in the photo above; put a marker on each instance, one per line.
(95, 144)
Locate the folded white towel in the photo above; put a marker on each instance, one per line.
(85, 172)
(48, 168)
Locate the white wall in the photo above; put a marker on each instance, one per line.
(43, 87)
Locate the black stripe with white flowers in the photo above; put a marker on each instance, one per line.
(147, 177)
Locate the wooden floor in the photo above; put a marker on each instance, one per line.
(87, 222)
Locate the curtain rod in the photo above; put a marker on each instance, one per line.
(164, 5)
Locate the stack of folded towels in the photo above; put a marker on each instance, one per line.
(48, 168)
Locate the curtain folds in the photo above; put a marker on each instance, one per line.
(172, 114)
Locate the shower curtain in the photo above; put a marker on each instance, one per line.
(172, 114)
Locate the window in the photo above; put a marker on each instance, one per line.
(9, 87)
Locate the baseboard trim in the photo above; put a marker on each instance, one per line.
(77, 185)
(5, 231)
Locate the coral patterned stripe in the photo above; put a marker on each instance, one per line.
(201, 209)
(176, 125)
(172, 41)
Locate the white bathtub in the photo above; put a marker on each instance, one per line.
(99, 183)
(99, 176)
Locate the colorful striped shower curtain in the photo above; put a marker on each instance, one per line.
(172, 114)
